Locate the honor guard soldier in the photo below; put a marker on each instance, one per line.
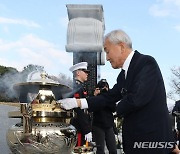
(82, 121)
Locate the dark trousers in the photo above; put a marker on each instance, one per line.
(103, 136)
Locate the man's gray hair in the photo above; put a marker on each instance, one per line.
(117, 36)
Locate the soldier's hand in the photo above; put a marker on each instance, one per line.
(88, 137)
(68, 103)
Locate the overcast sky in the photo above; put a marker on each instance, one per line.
(34, 32)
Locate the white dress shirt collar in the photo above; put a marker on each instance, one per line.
(127, 63)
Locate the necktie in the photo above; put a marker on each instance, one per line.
(123, 90)
(121, 76)
(122, 73)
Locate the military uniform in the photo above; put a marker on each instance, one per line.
(82, 121)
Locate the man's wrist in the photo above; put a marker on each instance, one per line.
(78, 102)
(82, 103)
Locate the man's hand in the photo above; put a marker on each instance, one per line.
(68, 103)
(88, 137)
(176, 150)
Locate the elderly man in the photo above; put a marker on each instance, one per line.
(141, 95)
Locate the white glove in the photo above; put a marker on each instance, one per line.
(88, 137)
(68, 103)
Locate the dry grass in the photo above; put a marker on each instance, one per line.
(10, 104)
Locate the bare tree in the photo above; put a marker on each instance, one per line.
(174, 93)
(63, 79)
(30, 68)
